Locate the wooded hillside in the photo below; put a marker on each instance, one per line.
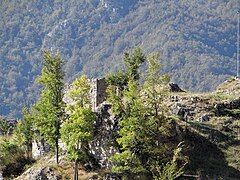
(196, 41)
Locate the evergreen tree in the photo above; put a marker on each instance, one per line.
(79, 128)
(155, 85)
(118, 80)
(129, 107)
(131, 131)
(118, 83)
(50, 107)
(171, 169)
(145, 124)
(159, 123)
(133, 63)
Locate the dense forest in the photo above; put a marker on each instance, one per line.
(196, 41)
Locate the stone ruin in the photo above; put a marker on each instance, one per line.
(106, 124)
(98, 92)
(101, 147)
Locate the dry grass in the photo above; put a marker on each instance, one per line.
(65, 168)
(229, 87)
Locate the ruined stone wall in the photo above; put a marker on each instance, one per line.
(101, 91)
(97, 92)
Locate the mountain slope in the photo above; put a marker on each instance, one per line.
(196, 41)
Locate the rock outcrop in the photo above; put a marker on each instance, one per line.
(175, 88)
(41, 173)
(106, 125)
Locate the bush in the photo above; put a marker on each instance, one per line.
(12, 159)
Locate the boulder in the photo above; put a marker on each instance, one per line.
(41, 173)
(204, 118)
(183, 111)
(228, 120)
(175, 88)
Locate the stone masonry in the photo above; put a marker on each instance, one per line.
(97, 92)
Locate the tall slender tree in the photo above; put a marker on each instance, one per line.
(130, 135)
(50, 107)
(159, 123)
(155, 85)
(129, 107)
(79, 128)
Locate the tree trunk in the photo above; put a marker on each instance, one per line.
(57, 127)
(76, 170)
(56, 143)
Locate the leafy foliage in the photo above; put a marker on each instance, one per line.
(77, 131)
(145, 123)
(133, 63)
(118, 79)
(50, 107)
(79, 92)
(130, 135)
(196, 41)
(12, 158)
(9, 152)
(24, 132)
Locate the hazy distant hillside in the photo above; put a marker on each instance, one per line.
(196, 40)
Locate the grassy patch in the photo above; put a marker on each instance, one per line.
(232, 155)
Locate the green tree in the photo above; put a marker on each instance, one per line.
(118, 80)
(118, 83)
(159, 123)
(133, 63)
(50, 107)
(145, 122)
(78, 130)
(127, 104)
(130, 139)
(24, 131)
(155, 85)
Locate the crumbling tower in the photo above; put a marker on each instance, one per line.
(97, 92)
